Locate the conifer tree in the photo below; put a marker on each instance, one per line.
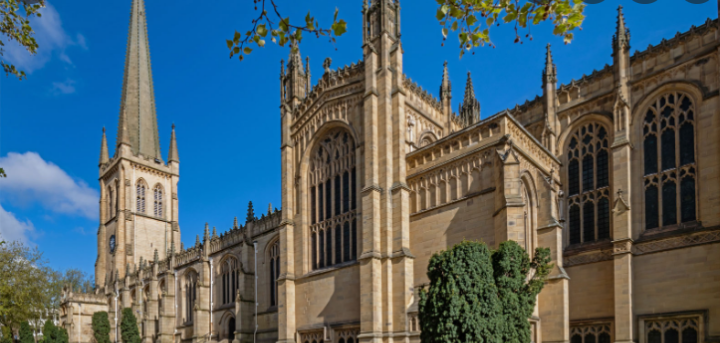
(476, 295)
(50, 332)
(128, 327)
(461, 304)
(62, 335)
(26, 333)
(518, 295)
(101, 327)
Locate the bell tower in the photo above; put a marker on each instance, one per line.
(138, 198)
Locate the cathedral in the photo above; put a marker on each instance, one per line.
(378, 174)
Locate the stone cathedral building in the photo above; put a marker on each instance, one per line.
(617, 173)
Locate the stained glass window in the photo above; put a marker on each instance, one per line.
(669, 203)
(654, 336)
(676, 158)
(689, 335)
(603, 218)
(588, 162)
(574, 224)
(651, 207)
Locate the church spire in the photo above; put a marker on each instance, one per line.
(549, 82)
(104, 157)
(138, 124)
(469, 111)
(173, 150)
(550, 71)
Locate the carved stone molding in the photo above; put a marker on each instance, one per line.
(592, 257)
(676, 242)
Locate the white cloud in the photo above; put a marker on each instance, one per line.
(12, 229)
(66, 87)
(30, 179)
(52, 41)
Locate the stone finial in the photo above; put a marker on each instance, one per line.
(469, 111)
(235, 224)
(445, 86)
(182, 246)
(173, 150)
(214, 234)
(621, 39)
(308, 82)
(326, 65)
(197, 240)
(269, 209)
(550, 70)
(206, 234)
(250, 213)
(104, 156)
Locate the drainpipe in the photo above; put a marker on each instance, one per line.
(256, 295)
(212, 305)
(116, 314)
(176, 301)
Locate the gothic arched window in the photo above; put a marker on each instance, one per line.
(158, 201)
(140, 196)
(588, 184)
(669, 161)
(190, 295)
(332, 199)
(111, 203)
(274, 262)
(229, 272)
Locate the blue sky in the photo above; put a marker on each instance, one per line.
(226, 111)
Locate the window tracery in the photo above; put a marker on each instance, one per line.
(158, 201)
(229, 273)
(111, 203)
(588, 184)
(332, 200)
(675, 330)
(669, 167)
(274, 272)
(190, 295)
(140, 196)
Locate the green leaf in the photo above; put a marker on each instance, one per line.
(261, 43)
(490, 21)
(236, 38)
(471, 20)
(284, 24)
(454, 26)
(339, 27)
(247, 50)
(261, 30)
(440, 15)
(229, 43)
(444, 32)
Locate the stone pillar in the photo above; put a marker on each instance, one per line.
(201, 308)
(509, 213)
(370, 264)
(152, 316)
(554, 300)
(167, 310)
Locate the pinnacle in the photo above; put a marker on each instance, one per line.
(104, 156)
(445, 86)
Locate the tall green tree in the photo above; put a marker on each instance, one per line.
(478, 295)
(62, 336)
(101, 327)
(26, 284)
(461, 304)
(519, 280)
(26, 333)
(50, 332)
(471, 20)
(128, 327)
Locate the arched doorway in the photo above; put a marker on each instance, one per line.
(231, 329)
